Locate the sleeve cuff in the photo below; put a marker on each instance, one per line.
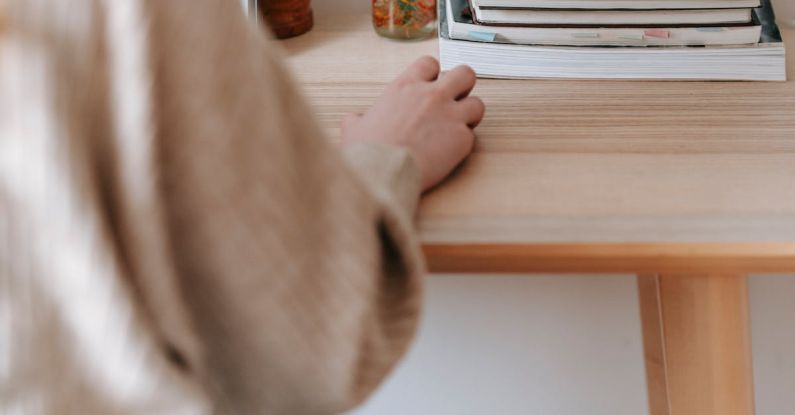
(390, 172)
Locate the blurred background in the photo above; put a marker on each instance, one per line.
(555, 345)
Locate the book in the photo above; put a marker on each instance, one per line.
(493, 54)
(650, 36)
(465, 28)
(619, 4)
(552, 17)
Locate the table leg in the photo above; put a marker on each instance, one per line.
(697, 346)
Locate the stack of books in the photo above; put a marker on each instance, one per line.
(618, 39)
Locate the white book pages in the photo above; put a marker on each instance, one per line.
(762, 63)
(619, 4)
(612, 17)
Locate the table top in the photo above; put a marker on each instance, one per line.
(573, 176)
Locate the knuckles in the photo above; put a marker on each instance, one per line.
(428, 64)
(468, 73)
(436, 95)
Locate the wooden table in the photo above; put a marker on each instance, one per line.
(690, 185)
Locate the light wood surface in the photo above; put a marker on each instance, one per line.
(585, 163)
(611, 258)
(653, 344)
(697, 344)
(690, 183)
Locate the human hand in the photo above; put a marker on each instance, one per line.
(431, 117)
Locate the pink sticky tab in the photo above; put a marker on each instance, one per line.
(662, 34)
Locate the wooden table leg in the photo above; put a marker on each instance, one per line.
(697, 345)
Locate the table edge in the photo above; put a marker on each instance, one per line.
(629, 258)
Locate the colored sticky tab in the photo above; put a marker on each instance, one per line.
(710, 29)
(631, 37)
(482, 36)
(585, 35)
(662, 34)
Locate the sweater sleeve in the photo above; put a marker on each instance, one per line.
(280, 273)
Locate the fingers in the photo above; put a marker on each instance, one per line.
(472, 110)
(425, 68)
(459, 82)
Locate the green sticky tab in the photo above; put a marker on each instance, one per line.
(710, 29)
(482, 36)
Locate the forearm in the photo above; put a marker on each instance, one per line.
(299, 270)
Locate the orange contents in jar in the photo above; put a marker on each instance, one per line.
(404, 19)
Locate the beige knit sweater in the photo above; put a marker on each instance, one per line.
(176, 234)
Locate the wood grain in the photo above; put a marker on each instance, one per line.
(584, 164)
(706, 344)
(654, 344)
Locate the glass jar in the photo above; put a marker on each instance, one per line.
(405, 19)
(286, 18)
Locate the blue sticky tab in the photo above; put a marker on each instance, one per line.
(482, 36)
(710, 29)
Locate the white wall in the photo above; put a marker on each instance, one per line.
(786, 10)
(773, 342)
(508, 345)
(503, 345)
(559, 345)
